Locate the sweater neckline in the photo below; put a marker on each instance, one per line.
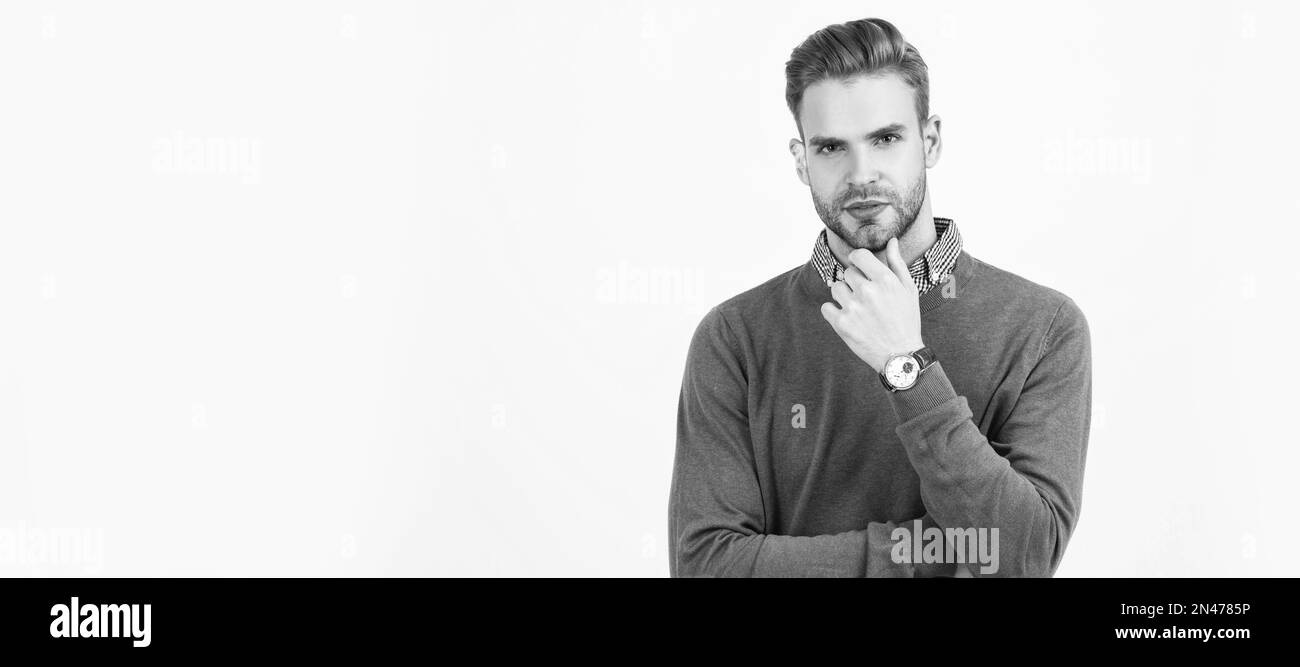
(963, 275)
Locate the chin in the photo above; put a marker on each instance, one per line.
(872, 242)
(873, 235)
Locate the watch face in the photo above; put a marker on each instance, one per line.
(901, 371)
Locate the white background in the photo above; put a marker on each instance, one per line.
(432, 316)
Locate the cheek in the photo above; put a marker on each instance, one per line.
(906, 169)
(826, 193)
(824, 184)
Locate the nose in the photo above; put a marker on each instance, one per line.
(862, 170)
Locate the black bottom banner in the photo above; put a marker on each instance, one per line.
(945, 618)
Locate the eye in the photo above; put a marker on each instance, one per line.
(822, 150)
(894, 137)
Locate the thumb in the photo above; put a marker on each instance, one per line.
(896, 262)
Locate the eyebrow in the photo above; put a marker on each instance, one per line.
(817, 140)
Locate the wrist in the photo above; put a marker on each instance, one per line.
(932, 389)
(904, 370)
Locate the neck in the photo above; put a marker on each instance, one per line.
(911, 245)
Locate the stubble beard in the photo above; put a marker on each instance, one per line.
(873, 234)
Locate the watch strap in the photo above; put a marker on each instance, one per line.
(924, 357)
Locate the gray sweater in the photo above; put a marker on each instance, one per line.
(793, 460)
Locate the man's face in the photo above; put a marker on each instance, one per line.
(863, 142)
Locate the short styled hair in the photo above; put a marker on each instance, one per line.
(870, 47)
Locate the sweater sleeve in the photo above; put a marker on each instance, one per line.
(1026, 480)
(717, 521)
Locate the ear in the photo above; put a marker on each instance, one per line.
(800, 160)
(933, 141)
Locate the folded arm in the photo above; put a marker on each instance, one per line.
(1027, 480)
(717, 519)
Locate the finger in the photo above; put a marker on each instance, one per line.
(840, 292)
(856, 279)
(866, 261)
(831, 314)
(896, 263)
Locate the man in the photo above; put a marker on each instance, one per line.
(892, 382)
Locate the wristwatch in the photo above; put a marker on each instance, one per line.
(903, 370)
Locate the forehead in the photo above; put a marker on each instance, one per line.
(856, 106)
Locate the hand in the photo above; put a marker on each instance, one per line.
(879, 312)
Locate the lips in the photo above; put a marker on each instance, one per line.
(865, 209)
